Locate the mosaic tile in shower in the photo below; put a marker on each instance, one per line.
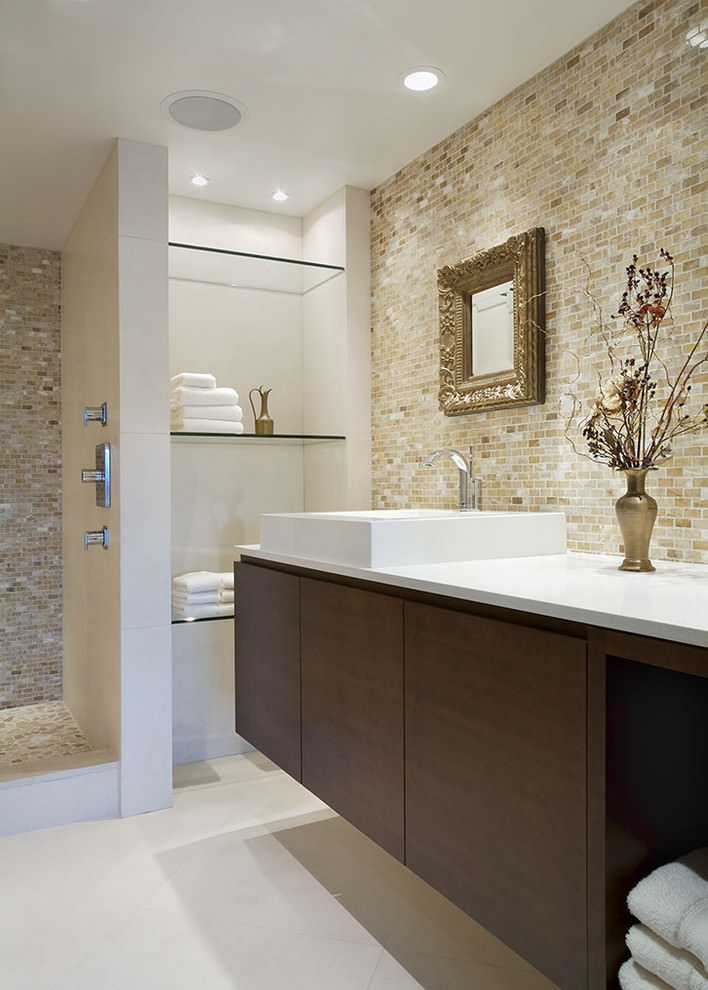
(30, 468)
(37, 732)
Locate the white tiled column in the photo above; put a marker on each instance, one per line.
(337, 360)
(144, 467)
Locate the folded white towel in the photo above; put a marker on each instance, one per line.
(678, 968)
(673, 902)
(201, 611)
(194, 379)
(196, 581)
(233, 413)
(202, 582)
(632, 976)
(195, 597)
(184, 395)
(207, 426)
(180, 597)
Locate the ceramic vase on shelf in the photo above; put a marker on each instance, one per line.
(636, 513)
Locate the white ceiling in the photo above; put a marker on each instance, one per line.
(319, 79)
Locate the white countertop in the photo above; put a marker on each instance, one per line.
(669, 603)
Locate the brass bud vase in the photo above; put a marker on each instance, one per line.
(636, 513)
(262, 423)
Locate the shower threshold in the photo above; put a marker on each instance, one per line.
(43, 738)
(49, 775)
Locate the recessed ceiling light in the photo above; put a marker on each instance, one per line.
(200, 180)
(421, 78)
(697, 37)
(280, 195)
(202, 110)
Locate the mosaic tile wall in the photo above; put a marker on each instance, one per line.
(606, 149)
(30, 473)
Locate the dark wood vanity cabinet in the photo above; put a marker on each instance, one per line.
(267, 631)
(648, 775)
(530, 769)
(319, 690)
(495, 779)
(352, 706)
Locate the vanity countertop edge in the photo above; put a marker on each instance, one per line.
(670, 603)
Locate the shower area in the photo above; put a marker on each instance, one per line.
(85, 656)
(35, 723)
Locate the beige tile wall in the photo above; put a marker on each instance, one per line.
(30, 477)
(606, 149)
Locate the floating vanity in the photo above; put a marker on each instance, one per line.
(529, 734)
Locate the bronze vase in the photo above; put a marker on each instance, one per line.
(262, 423)
(636, 513)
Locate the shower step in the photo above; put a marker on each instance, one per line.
(54, 764)
(58, 790)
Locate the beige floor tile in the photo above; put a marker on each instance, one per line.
(417, 971)
(163, 951)
(248, 882)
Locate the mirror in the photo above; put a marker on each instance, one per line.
(492, 324)
(492, 329)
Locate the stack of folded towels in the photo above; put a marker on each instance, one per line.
(670, 945)
(202, 594)
(198, 406)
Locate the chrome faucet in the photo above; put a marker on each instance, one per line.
(468, 496)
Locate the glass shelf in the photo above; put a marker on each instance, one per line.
(238, 269)
(261, 437)
(205, 618)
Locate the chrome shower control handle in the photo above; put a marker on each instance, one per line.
(96, 414)
(100, 476)
(96, 538)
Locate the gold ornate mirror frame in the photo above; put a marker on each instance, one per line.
(521, 259)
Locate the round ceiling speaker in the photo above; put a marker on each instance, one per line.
(203, 111)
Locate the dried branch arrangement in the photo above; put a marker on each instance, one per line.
(641, 407)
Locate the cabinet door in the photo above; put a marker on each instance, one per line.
(496, 779)
(267, 630)
(352, 706)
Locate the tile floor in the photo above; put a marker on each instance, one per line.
(247, 883)
(35, 732)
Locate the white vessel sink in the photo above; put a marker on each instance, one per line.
(389, 537)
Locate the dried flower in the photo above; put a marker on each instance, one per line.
(640, 407)
(610, 399)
